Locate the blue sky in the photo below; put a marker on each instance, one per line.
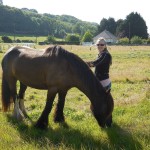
(87, 10)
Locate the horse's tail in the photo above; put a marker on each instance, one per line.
(6, 96)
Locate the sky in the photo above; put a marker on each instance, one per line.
(87, 10)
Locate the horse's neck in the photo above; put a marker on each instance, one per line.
(90, 90)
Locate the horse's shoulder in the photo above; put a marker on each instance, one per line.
(53, 50)
(49, 49)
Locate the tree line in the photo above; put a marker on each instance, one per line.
(29, 22)
(133, 25)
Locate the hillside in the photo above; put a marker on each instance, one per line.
(30, 22)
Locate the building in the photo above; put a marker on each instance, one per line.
(109, 37)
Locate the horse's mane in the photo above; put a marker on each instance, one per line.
(83, 71)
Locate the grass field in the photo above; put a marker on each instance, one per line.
(32, 38)
(130, 75)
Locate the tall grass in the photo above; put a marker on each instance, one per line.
(130, 75)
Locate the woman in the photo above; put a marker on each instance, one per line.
(102, 64)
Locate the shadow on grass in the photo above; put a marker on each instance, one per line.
(66, 137)
(122, 139)
(62, 137)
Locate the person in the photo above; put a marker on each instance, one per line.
(102, 64)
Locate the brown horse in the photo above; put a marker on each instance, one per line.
(55, 70)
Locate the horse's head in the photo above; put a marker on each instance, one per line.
(102, 110)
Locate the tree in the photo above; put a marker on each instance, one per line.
(62, 33)
(28, 21)
(87, 37)
(103, 25)
(119, 31)
(72, 38)
(77, 28)
(30, 10)
(1, 2)
(6, 39)
(50, 39)
(134, 25)
(109, 25)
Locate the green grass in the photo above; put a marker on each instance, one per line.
(130, 74)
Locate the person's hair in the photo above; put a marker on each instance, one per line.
(101, 39)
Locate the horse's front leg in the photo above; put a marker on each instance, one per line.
(42, 122)
(58, 115)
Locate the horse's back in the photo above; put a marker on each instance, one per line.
(12, 56)
(35, 68)
(8, 58)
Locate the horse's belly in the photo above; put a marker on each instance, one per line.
(40, 76)
(35, 81)
(44, 87)
(36, 85)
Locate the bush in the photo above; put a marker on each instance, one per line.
(87, 37)
(66, 43)
(136, 40)
(148, 41)
(123, 41)
(27, 41)
(50, 39)
(72, 38)
(18, 41)
(6, 39)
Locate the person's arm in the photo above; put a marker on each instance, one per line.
(90, 64)
(104, 58)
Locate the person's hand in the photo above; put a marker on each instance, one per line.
(89, 64)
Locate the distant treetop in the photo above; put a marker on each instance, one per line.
(1, 2)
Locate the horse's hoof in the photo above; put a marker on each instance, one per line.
(64, 125)
(109, 124)
(41, 126)
(59, 120)
(18, 116)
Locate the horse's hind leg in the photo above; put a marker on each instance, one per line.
(58, 115)
(21, 98)
(17, 112)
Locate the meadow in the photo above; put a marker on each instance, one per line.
(29, 38)
(130, 75)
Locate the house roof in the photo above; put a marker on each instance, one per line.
(106, 34)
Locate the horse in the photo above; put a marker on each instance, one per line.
(56, 70)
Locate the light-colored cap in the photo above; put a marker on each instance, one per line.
(99, 40)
